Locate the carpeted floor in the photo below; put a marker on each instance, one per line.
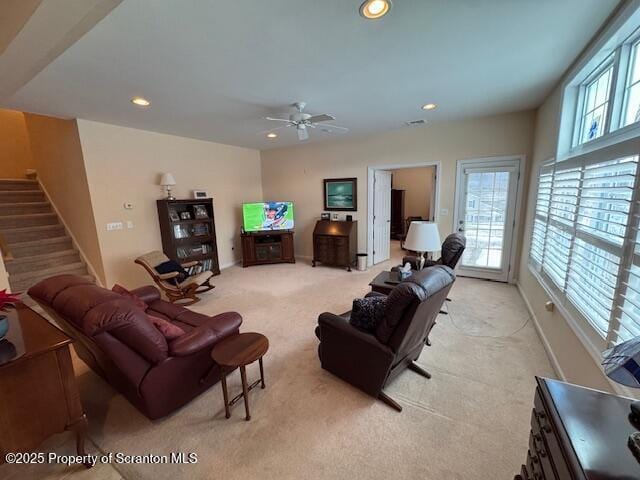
(470, 421)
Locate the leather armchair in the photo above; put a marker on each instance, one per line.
(369, 361)
(452, 250)
(117, 340)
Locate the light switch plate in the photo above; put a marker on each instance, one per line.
(129, 224)
(114, 226)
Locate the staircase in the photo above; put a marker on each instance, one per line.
(37, 241)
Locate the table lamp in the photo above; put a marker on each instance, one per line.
(622, 365)
(168, 181)
(423, 237)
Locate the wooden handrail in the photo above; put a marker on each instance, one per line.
(4, 248)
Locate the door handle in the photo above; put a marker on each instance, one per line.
(461, 229)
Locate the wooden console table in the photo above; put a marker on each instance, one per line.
(38, 392)
(262, 248)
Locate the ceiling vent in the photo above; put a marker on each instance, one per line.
(415, 123)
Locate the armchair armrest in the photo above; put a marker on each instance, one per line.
(353, 355)
(148, 294)
(167, 276)
(193, 341)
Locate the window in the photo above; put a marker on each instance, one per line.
(585, 237)
(632, 93)
(596, 105)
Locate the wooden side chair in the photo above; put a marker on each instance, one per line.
(176, 291)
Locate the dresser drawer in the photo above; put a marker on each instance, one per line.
(541, 424)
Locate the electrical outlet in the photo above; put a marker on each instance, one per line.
(129, 224)
(114, 226)
(444, 212)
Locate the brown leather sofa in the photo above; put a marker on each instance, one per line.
(452, 250)
(370, 361)
(117, 340)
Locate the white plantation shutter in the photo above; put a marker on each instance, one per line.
(585, 237)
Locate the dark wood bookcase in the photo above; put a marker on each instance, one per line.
(193, 238)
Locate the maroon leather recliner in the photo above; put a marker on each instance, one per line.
(117, 340)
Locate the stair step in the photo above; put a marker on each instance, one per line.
(21, 196)
(38, 263)
(17, 235)
(28, 220)
(40, 247)
(22, 280)
(18, 184)
(25, 208)
(24, 285)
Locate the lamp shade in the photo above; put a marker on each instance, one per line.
(167, 180)
(423, 237)
(622, 363)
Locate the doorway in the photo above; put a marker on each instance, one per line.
(487, 199)
(419, 188)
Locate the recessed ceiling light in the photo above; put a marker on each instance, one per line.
(272, 135)
(373, 9)
(141, 102)
(429, 106)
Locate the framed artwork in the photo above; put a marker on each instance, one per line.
(341, 194)
(200, 211)
(185, 216)
(173, 215)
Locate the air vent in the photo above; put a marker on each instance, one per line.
(415, 123)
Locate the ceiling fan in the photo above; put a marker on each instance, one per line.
(303, 121)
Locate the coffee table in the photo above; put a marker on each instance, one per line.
(239, 351)
(384, 282)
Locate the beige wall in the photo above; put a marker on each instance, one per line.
(15, 152)
(124, 165)
(418, 186)
(57, 154)
(573, 360)
(296, 173)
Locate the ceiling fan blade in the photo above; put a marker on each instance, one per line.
(325, 127)
(278, 119)
(321, 118)
(302, 133)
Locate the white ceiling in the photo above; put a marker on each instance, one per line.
(213, 69)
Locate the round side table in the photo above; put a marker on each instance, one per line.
(239, 351)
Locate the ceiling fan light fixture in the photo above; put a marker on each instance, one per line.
(272, 135)
(429, 106)
(140, 102)
(374, 9)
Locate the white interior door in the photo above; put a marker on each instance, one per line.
(381, 215)
(485, 213)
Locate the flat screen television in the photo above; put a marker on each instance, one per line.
(265, 216)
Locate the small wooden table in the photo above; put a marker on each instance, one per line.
(384, 282)
(239, 351)
(38, 391)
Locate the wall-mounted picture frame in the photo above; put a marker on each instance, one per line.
(341, 194)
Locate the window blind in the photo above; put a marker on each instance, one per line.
(585, 238)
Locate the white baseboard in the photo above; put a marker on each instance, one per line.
(543, 338)
(230, 264)
(83, 256)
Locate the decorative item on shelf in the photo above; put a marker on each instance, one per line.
(200, 194)
(200, 211)
(180, 232)
(168, 181)
(200, 229)
(325, 216)
(173, 215)
(341, 194)
(185, 216)
(423, 237)
(7, 300)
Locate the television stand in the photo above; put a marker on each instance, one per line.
(263, 248)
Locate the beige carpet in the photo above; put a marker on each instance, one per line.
(470, 421)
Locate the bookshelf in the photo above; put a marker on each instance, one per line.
(188, 231)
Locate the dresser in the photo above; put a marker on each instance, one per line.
(397, 214)
(38, 392)
(578, 434)
(335, 243)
